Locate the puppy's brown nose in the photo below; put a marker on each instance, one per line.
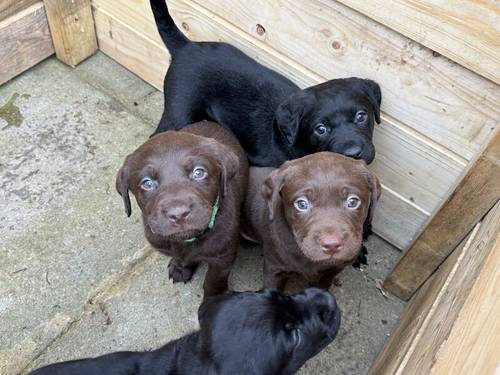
(178, 214)
(331, 244)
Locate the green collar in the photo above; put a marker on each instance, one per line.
(211, 223)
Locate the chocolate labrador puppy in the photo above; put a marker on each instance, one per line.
(310, 214)
(272, 118)
(260, 333)
(190, 186)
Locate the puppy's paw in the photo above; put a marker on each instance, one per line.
(179, 273)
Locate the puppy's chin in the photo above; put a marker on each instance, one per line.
(312, 251)
(175, 233)
(368, 154)
(183, 236)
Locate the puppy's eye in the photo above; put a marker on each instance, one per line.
(199, 173)
(353, 202)
(321, 129)
(148, 184)
(360, 116)
(302, 204)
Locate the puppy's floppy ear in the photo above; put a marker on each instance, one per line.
(122, 186)
(372, 90)
(375, 192)
(289, 113)
(272, 187)
(228, 162)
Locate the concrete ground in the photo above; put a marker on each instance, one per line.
(77, 278)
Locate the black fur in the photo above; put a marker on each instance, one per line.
(261, 333)
(272, 118)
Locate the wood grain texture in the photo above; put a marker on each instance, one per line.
(417, 174)
(439, 99)
(72, 29)
(474, 196)
(148, 59)
(396, 220)
(467, 32)
(473, 346)
(402, 338)
(24, 41)
(11, 7)
(436, 310)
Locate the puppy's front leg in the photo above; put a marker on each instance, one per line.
(326, 280)
(273, 279)
(179, 272)
(216, 280)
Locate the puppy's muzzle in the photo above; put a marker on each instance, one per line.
(172, 215)
(177, 214)
(327, 305)
(353, 152)
(361, 149)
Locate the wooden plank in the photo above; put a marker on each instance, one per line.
(25, 41)
(412, 168)
(438, 99)
(473, 346)
(396, 220)
(473, 197)
(467, 32)
(436, 309)
(402, 338)
(11, 7)
(72, 28)
(148, 59)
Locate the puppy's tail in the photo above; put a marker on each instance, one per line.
(173, 38)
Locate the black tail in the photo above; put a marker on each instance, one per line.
(169, 32)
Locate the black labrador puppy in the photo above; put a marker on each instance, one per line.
(272, 118)
(240, 333)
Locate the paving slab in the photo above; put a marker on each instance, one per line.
(76, 277)
(63, 227)
(134, 94)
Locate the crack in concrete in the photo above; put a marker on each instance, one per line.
(108, 288)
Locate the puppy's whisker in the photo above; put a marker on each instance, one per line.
(151, 229)
(297, 337)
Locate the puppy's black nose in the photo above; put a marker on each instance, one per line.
(353, 152)
(178, 214)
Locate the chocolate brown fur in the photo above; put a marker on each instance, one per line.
(179, 207)
(318, 243)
